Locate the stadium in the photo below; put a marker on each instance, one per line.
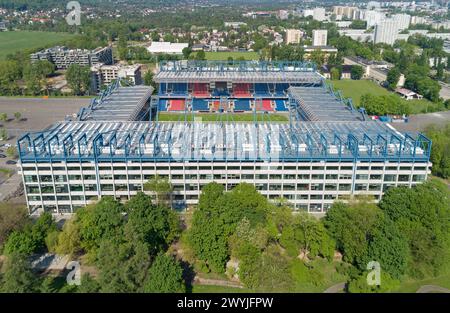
(324, 150)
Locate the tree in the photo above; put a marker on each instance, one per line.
(165, 276)
(217, 217)
(392, 78)
(99, 221)
(18, 277)
(161, 187)
(4, 134)
(78, 78)
(88, 284)
(17, 116)
(148, 79)
(186, 52)
(359, 284)
(156, 226)
(335, 73)
(3, 117)
(422, 214)
(11, 152)
(122, 265)
(440, 152)
(11, 219)
(351, 225)
(200, 55)
(69, 239)
(356, 72)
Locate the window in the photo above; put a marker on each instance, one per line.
(76, 188)
(302, 186)
(403, 177)
(275, 187)
(316, 186)
(374, 187)
(304, 176)
(362, 176)
(106, 187)
(345, 187)
(330, 186)
(261, 186)
(360, 187)
(289, 176)
(30, 178)
(375, 176)
(316, 197)
(418, 178)
(302, 197)
(390, 177)
(317, 176)
(331, 176)
(276, 176)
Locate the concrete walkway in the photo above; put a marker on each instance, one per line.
(336, 288)
(432, 288)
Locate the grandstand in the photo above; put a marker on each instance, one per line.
(327, 151)
(247, 85)
(118, 103)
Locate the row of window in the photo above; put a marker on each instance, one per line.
(387, 177)
(229, 167)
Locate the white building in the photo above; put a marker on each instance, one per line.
(283, 14)
(386, 31)
(320, 37)
(105, 74)
(319, 14)
(357, 34)
(293, 36)
(167, 47)
(403, 20)
(344, 12)
(373, 17)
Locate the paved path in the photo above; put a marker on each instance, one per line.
(432, 288)
(336, 288)
(216, 282)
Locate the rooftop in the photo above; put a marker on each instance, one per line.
(117, 104)
(237, 71)
(322, 104)
(145, 141)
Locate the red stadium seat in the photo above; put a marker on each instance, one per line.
(267, 105)
(200, 90)
(242, 91)
(176, 105)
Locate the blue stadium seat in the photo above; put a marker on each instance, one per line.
(280, 89)
(179, 89)
(262, 90)
(162, 105)
(280, 105)
(242, 105)
(199, 105)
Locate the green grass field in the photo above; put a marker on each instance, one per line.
(217, 289)
(11, 42)
(217, 56)
(356, 88)
(213, 117)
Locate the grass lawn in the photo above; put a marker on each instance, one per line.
(225, 55)
(356, 88)
(213, 117)
(13, 41)
(413, 285)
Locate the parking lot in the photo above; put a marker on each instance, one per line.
(36, 114)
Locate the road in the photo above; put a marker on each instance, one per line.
(420, 122)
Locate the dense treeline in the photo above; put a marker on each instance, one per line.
(440, 152)
(276, 250)
(126, 243)
(239, 234)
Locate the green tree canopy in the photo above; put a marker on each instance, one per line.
(165, 276)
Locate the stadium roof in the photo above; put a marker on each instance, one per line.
(144, 141)
(321, 104)
(117, 104)
(237, 71)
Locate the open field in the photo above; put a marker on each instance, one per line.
(213, 117)
(235, 55)
(356, 88)
(11, 42)
(410, 286)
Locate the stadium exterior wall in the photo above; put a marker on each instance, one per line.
(62, 187)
